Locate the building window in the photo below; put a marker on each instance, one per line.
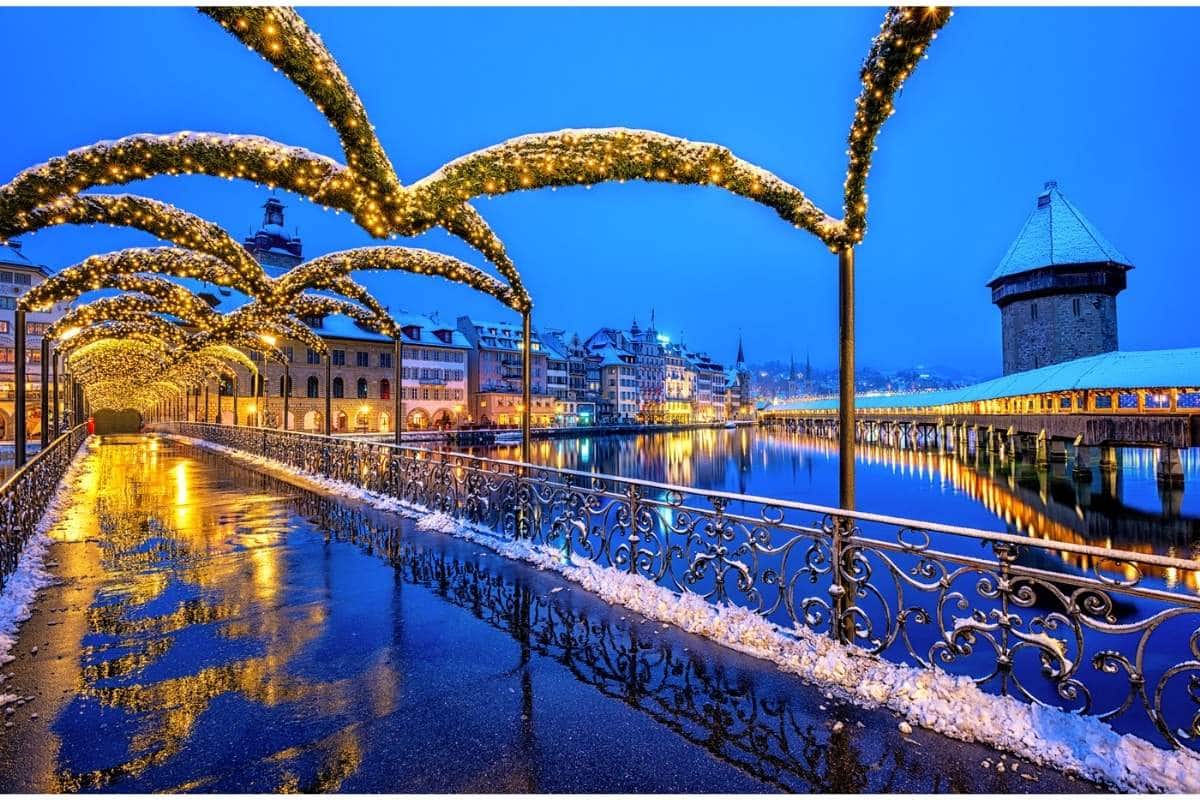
(1033, 310)
(362, 388)
(385, 389)
(362, 359)
(289, 353)
(312, 357)
(385, 360)
(4, 326)
(36, 328)
(285, 387)
(339, 357)
(8, 303)
(314, 386)
(339, 387)
(1075, 306)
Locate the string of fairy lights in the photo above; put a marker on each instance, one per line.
(158, 337)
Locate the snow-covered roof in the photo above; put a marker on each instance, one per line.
(1142, 369)
(12, 256)
(1054, 234)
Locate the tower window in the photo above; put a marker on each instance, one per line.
(1075, 306)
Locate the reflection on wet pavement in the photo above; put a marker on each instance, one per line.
(221, 630)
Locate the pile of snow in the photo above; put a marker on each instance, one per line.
(438, 521)
(951, 705)
(22, 586)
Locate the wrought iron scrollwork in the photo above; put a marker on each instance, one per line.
(1011, 612)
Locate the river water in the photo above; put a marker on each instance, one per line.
(1124, 510)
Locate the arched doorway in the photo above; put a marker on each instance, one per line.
(313, 421)
(418, 419)
(443, 419)
(341, 422)
(4, 425)
(385, 422)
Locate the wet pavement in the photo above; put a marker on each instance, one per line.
(216, 629)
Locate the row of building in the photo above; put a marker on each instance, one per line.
(454, 374)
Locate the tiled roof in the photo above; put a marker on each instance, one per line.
(1056, 233)
(1142, 369)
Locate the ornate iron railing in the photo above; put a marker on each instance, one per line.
(1105, 632)
(27, 492)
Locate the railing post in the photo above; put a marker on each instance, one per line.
(635, 539)
(842, 588)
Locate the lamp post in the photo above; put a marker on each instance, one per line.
(54, 377)
(398, 380)
(286, 388)
(526, 383)
(45, 398)
(19, 380)
(846, 378)
(328, 391)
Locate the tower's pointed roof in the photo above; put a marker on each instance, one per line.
(741, 356)
(1056, 233)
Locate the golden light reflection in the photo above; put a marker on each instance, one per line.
(224, 565)
(997, 492)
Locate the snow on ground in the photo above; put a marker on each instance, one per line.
(951, 705)
(22, 586)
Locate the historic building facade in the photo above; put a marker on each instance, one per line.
(17, 275)
(1057, 288)
(495, 371)
(362, 363)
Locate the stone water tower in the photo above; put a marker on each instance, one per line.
(1057, 288)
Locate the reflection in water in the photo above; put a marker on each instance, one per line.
(187, 564)
(1124, 509)
(226, 647)
(771, 734)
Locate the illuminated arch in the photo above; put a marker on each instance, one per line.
(146, 214)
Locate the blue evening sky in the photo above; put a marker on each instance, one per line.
(1103, 100)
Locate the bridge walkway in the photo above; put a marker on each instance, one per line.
(216, 629)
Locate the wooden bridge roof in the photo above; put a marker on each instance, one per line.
(1142, 369)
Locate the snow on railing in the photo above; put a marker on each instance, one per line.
(1101, 631)
(27, 492)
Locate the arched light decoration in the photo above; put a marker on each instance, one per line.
(151, 216)
(370, 190)
(321, 271)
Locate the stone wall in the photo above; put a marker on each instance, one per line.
(1057, 333)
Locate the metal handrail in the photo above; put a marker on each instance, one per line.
(772, 502)
(26, 494)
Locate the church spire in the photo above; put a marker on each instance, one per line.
(741, 356)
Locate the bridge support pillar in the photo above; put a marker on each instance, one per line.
(1058, 451)
(1043, 449)
(1169, 468)
(993, 441)
(1108, 458)
(1083, 463)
